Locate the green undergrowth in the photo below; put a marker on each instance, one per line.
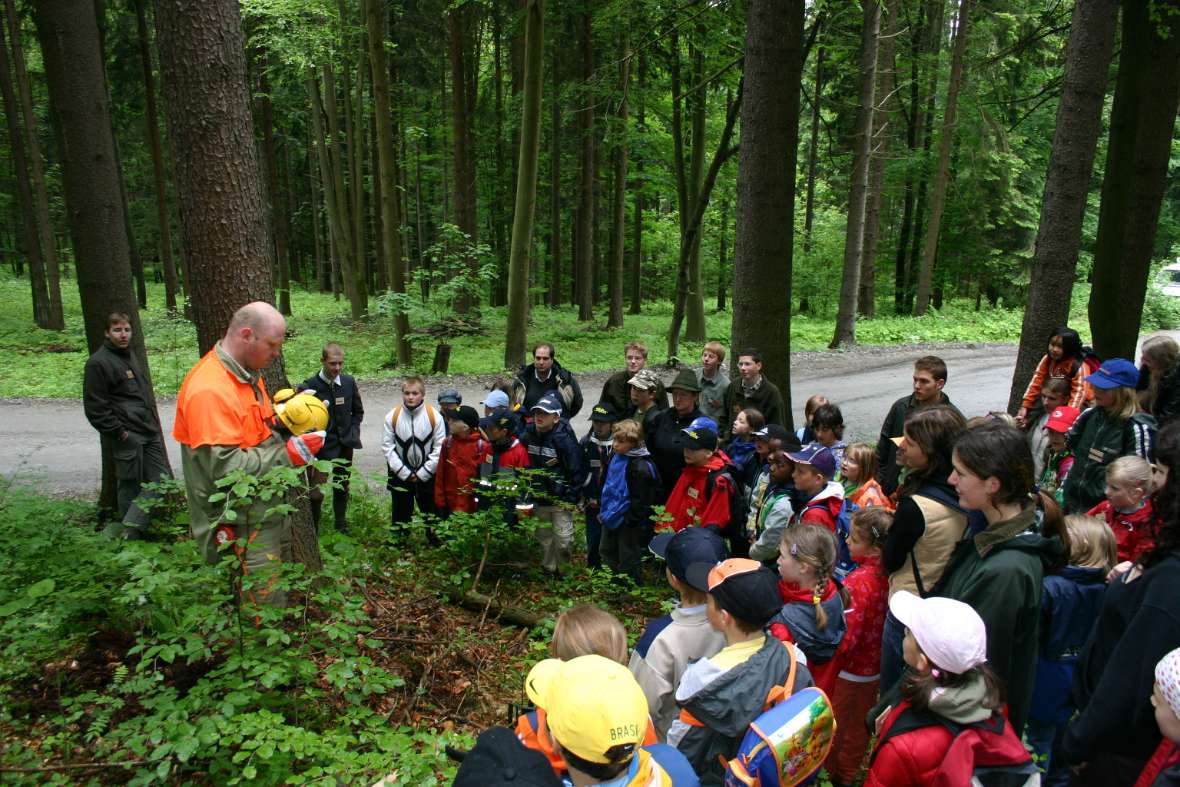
(131, 657)
(49, 363)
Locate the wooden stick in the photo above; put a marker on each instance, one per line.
(74, 766)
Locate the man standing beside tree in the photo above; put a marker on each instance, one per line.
(223, 424)
(339, 392)
(118, 405)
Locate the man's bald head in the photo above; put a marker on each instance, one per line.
(255, 335)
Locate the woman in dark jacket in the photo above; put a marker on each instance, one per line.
(1159, 378)
(1000, 570)
(1115, 731)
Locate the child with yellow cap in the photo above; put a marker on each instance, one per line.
(597, 719)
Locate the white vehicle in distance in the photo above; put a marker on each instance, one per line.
(1170, 279)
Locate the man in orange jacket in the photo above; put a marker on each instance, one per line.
(223, 424)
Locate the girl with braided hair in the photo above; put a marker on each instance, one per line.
(1000, 569)
(812, 616)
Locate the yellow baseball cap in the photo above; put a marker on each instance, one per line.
(592, 704)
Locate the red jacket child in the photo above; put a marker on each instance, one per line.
(690, 504)
(860, 650)
(458, 464)
(1134, 533)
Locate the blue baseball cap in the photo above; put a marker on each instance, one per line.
(691, 545)
(701, 433)
(1115, 373)
(496, 398)
(548, 403)
(450, 396)
(501, 418)
(818, 456)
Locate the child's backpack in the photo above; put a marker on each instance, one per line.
(739, 508)
(980, 754)
(1090, 361)
(844, 562)
(788, 741)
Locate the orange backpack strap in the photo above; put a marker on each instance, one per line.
(687, 717)
(779, 693)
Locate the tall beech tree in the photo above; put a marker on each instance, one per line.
(391, 218)
(619, 206)
(72, 52)
(526, 186)
(765, 231)
(859, 182)
(1142, 120)
(1067, 185)
(942, 169)
(587, 173)
(52, 315)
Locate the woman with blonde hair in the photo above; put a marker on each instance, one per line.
(1113, 427)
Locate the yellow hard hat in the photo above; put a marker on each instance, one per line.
(301, 413)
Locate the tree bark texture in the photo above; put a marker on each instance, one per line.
(942, 171)
(152, 122)
(215, 163)
(854, 233)
(390, 219)
(764, 234)
(1067, 184)
(275, 213)
(1141, 124)
(516, 332)
(75, 75)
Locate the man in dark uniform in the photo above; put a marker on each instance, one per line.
(118, 404)
(339, 392)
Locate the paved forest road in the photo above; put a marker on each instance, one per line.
(49, 444)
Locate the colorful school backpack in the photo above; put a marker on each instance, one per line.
(788, 741)
(844, 562)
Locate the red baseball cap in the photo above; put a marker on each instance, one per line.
(1062, 418)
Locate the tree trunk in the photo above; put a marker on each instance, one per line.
(74, 73)
(854, 235)
(695, 222)
(637, 239)
(516, 333)
(555, 286)
(501, 183)
(722, 253)
(323, 267)
(218, 185)
(1067, 184)
(942, 173)
(340, 205)
(460, 27)
(24, 191)
(866, 300)
(391, 221)
(585, 230)
(619, 224)
(695, 329)
(764, 234)
(813, 150)
(54, 318)
(1141, 123)
(276, 215)
(152, 121)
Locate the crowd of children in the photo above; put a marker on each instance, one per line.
(931, 586)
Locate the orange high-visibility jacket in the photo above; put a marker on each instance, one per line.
(214, 407)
